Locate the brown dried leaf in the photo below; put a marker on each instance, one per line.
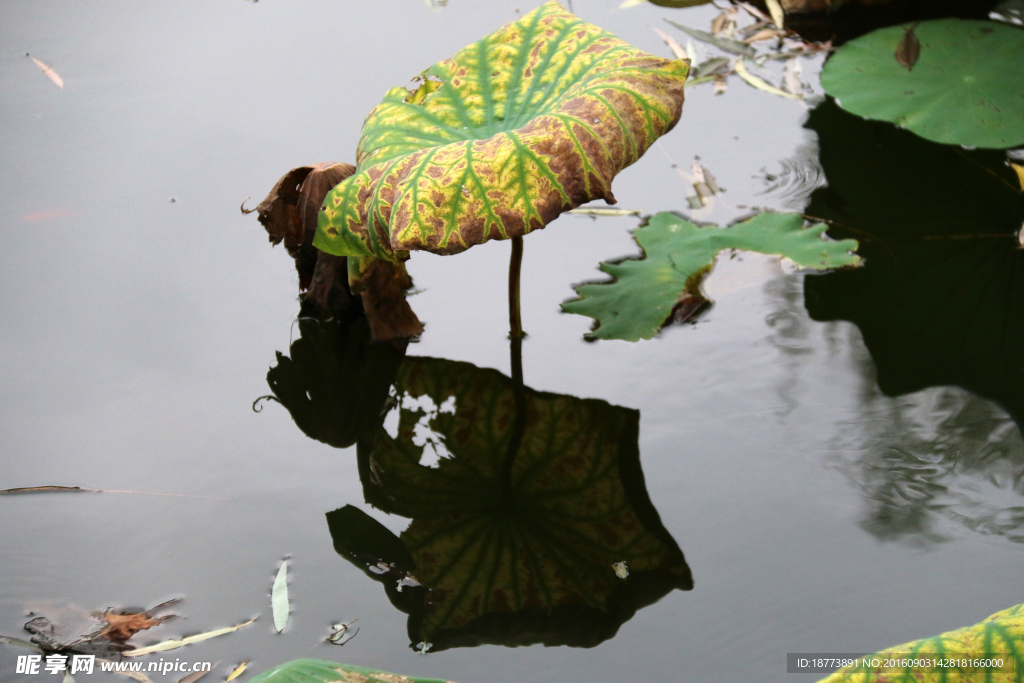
(62, 627)
(279, 212)
(121, 627)
(382, 285)
(765, 34)
(909, 49)
(718, 24)
(289, 212)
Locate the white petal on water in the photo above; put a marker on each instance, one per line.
(279, 597)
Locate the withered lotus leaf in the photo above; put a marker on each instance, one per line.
(532, 120)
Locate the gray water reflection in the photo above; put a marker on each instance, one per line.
(933, 464)
(939, 305)
(531, 522)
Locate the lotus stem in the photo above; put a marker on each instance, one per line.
(515, 263)
(515, 336)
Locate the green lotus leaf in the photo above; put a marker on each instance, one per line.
(533, 120)
(521, 504)
(320, 671)
(678, 255)
(999, 638)
(967, 88)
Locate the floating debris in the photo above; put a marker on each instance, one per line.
(279, 597)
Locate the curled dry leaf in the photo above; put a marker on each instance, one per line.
(290, 210)
(289, 214)
(122, 626)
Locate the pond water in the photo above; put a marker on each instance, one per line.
(836, 456)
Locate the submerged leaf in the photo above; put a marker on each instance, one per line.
(678, 255)
(175, 644)
(319, 671)
(966, 88)
(497, 141)
(992, 650)
(279, 597)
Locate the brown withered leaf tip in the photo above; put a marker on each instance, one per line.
(909, 49)
(382, 287)
(289, 212)
(121, 627)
